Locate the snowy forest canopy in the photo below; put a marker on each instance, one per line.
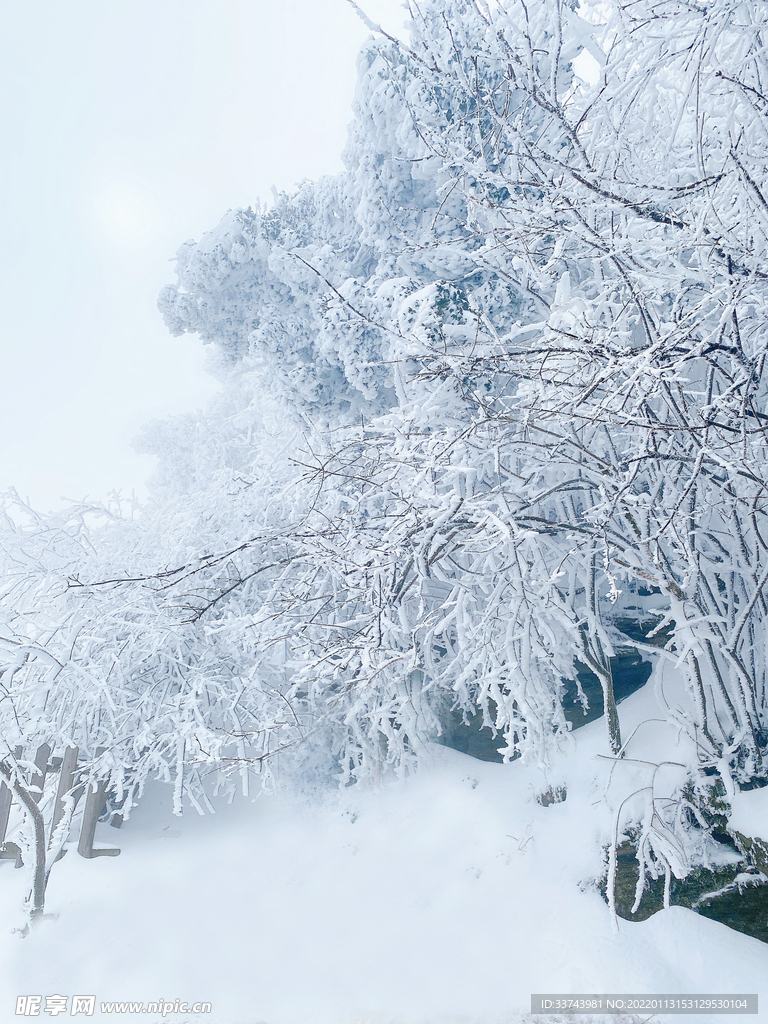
(493, 404)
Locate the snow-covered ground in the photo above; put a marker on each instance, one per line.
(449, 896)
(750, 812)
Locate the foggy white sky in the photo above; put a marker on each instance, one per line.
(127, 128)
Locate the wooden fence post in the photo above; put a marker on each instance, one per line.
(66, 783)
(6, 799)
(41, 763)
(95, 799)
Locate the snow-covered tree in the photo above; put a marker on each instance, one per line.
(487, 395)
(540, 301)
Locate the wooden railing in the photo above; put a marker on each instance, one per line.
(69, 785)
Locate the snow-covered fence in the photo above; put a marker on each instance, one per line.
(59, 809)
